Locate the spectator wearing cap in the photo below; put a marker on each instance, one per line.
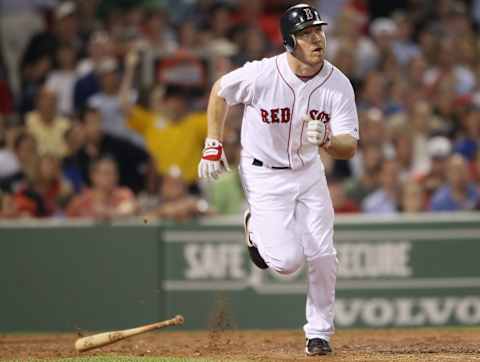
(439, 149)
(459, 193)
(45, 44)
(383, 32)
(173, 135)
(47, 126)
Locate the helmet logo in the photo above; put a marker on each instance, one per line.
(308, 13)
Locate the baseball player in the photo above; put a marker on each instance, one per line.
(294, 104)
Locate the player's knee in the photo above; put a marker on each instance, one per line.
(290, 262)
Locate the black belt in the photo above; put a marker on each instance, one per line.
(257, 162)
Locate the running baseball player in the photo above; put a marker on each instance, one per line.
(294, 104)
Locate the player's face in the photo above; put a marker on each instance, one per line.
(311, 44)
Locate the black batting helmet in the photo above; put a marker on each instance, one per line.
(295, 19)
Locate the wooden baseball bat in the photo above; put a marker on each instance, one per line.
(105, 338)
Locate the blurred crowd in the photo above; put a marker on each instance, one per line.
(103, 104)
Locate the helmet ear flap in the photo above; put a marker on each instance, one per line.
(290, 43)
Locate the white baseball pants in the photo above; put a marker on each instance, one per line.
(292, 222)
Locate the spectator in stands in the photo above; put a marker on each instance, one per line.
(25, 153)
(64, 31)
(386, 199)
(413, 198)
(62, 79)
(100, 46)
(6, 96)
(462, 78)
(342, 204)
(8, 162)
(172, 137)
(364, 183)
(175, 202)
(403, 147)
(400, 64)
(71, 165)
(158, 35)
(131, 160)
(468, 141)
(33, 80)
(383, 32)
(253, 44)
(348, 33)
(438, 150)
(39, 55)
(373, 92)
(15, 15)
(403, 47)
(46, 193)
(47, 126)
(459, 193)
(107, 101)
(105, 200)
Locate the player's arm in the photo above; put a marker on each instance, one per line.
(216, 113)
(214, 162)
(342, 146)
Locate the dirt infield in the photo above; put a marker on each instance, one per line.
(356, 345)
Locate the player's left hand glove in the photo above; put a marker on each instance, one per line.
(318, 132)
(213, 162)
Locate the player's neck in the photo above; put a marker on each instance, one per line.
(303, 69)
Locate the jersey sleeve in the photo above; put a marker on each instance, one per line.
(237, 86)
(345, 118)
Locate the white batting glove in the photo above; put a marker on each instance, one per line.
(318, 132)
(213, 162)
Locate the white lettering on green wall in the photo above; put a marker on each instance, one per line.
(371, 260)
(214, 261)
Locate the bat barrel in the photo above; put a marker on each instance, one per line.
(105, 338)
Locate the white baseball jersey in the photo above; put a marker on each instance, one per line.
(276, 100)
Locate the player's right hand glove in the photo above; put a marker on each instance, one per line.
(318, 132)
(213, 162)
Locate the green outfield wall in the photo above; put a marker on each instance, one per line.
(58, 276)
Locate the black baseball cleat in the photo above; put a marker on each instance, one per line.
(252, 249)
(317, 347)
